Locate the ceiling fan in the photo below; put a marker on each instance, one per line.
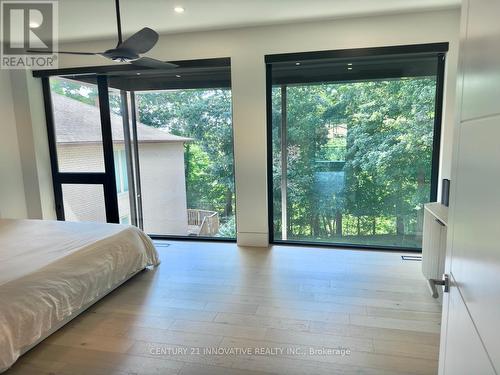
(128, 50)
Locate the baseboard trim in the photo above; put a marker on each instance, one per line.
(252, 239)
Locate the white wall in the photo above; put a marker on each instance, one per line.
(163, 188)
(12, 200)
(32, 144)
(247, 47)
(162, 182)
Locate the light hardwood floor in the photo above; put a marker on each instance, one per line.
(294, 299)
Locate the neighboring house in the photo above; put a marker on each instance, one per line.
(78, 136)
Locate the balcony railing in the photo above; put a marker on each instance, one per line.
(203, 223)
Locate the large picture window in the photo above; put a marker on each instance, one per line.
(160, 142)
(354, 145)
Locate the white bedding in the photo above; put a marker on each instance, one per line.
(51, 269)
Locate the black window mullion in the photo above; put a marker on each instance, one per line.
(269, 134)
(438, 114)
(81, 178)
(51, 135)
(110, 193)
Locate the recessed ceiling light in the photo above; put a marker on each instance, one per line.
(179, 9)
(350, 64)
(349, 68)
(178, 75)
(297, 63)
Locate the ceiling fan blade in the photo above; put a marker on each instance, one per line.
(153, 63)
(141, 42)
(62, 52)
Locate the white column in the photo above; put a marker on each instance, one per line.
(249, 123)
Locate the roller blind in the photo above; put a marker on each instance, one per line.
(356, 65)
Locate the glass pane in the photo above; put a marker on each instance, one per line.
(358, 161)
(84, 202)
(120, 158)
(77, 125)
(185, 145)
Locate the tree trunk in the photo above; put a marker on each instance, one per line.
(374, 226)
(315, 225)
(338, 224)
(420, 212)
(400, 226)
(228, 210)
(330, 226)
(358, 226)
(323, 223)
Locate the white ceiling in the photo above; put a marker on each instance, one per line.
(95, 19)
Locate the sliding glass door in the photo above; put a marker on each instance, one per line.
(187, 175)
(161, 139)
(354, 148)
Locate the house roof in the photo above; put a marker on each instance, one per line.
(78, 122)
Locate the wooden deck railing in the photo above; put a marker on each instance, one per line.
(203, 222)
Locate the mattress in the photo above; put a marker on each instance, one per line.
(49, 270)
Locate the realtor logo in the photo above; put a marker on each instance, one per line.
(28, 26)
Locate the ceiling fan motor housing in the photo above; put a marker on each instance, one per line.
(121, 54)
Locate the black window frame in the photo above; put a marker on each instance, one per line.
(440, 49)
(106, 178)
(104, 74)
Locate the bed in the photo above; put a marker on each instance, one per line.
(50, 271)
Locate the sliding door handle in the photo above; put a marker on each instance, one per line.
(445, 283)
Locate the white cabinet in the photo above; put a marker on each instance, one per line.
(434, 243)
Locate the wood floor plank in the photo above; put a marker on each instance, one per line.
(165, 312)
(251, 320)
(245, 308)
(216, 328)
(317, 339)
(385, 312)
(402, 335)
(78, 339)
(194, 369)
(117, 324)
(180, 353)
(406, 349)
(413, 325)
(295, 313)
